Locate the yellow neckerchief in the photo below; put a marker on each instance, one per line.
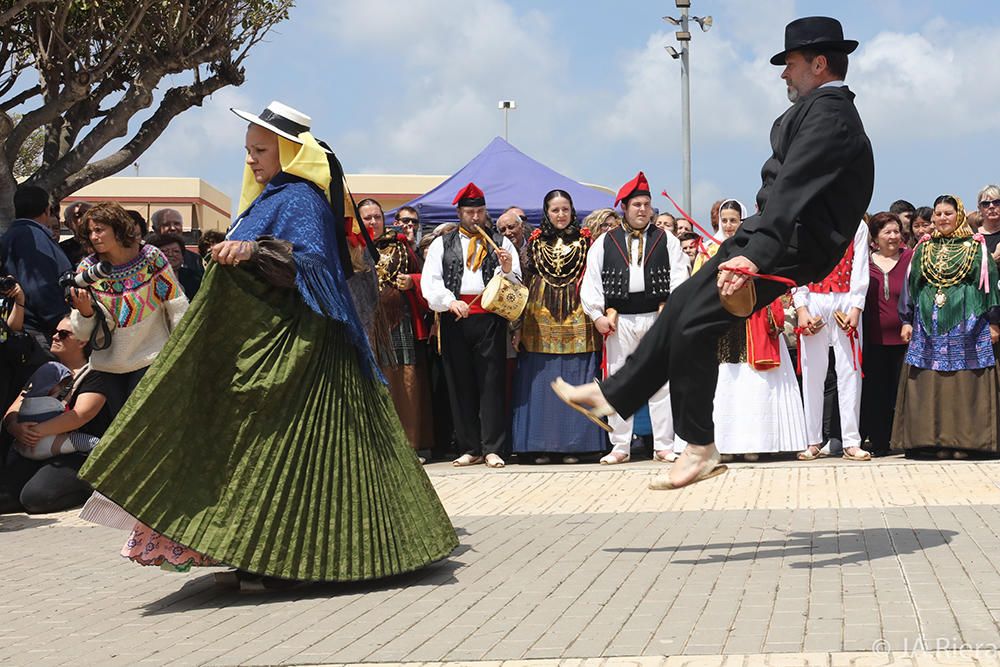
(476, 253)
(962, 229)
(634, 234)
(306, 160)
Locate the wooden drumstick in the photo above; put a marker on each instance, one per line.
(489, 239)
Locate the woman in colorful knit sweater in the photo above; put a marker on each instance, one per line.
(140, 303)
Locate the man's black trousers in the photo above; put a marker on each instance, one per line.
(474, 351)
(682, 348)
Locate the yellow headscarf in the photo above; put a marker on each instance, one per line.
(962, 228)
(306, 160)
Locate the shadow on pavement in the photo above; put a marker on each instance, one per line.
(816, 549)
(11, 522)
(204, 593)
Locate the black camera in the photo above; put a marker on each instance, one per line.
(87, 277)
(7, 283)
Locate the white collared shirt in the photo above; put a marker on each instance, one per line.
(432, 286)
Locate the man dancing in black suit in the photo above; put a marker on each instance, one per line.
(816, 188)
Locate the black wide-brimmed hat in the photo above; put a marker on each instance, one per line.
(814, 32)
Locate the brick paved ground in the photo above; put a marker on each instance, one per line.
(779, 564)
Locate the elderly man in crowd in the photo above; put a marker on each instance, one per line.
(170, 221)
(28, 253)
(511, 224)
(55, 225)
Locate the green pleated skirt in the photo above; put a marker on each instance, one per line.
(257, 440)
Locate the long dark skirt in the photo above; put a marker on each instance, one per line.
(947, 410)
(543, 423)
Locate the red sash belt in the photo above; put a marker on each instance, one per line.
(475, 304)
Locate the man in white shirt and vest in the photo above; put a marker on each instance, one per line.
(457, 268)
(631, 270)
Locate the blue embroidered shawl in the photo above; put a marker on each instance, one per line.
(294, 210)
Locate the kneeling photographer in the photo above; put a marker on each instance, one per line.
(128, 315)
(36, 479)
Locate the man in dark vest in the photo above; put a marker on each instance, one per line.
(816, 187)
(457, 268)
(631, 270)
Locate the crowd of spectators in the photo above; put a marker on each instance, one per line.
(108, 336)
(79, 347)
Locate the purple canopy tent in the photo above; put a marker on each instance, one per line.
(509, 178)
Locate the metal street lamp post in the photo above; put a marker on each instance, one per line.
(684, 38)
(506, 106)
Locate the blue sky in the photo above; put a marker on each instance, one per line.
(412, 87)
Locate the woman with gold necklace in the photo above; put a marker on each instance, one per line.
(557, 339)
(950, 308)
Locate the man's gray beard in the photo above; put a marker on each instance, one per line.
(793, 95)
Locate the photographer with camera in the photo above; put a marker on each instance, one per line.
(13, 370)
(28, 252)
(13, 303)
(128, 315)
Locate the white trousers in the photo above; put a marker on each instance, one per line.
(619, 345)
(815, 361)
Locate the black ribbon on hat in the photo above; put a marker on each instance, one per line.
(286, 125)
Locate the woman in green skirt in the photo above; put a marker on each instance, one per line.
(263, 437)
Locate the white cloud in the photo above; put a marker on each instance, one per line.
(910, 85)
(758, 27)
(210, 132)
(729, 96)
(458, 60)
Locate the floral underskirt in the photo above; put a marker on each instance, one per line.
(967, 346)
(148, 547)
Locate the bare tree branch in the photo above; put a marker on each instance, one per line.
(8, 15)
(98, 65)
(20, 98)
(175, 102)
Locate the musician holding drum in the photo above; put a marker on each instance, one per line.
(457, 268)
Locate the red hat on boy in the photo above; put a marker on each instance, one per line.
(637, 186)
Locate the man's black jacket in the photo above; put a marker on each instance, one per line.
(816, 188)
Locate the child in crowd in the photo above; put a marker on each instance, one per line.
(44, 400)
